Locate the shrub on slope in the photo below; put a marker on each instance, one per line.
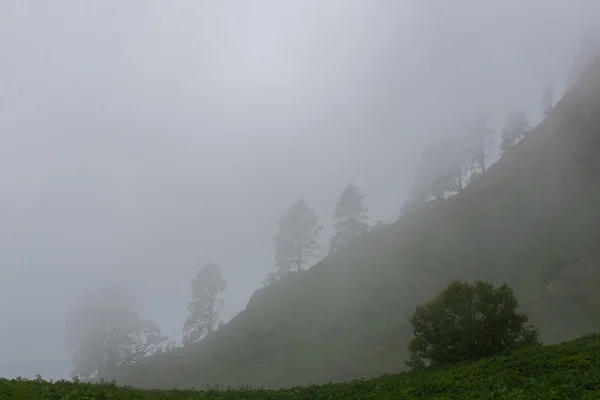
(468, 321)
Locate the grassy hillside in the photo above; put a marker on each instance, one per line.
(532, 220)
(567, 371)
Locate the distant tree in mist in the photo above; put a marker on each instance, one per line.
(431, 174)
(106, 333)
(478, 136)
(350, 217)
(166, 348)
(408, 207)
(445, 166)
(589, 49)
(453, 178)
(451, 163)
(296, 240)
(472, 177)
(515, 128)
(206, 306)
(547, 99)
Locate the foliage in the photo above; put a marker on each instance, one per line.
(350, 215)
(477, 139)
(566, 371)
(451, 163)
(408, 207)
(206, 305)
(589, 49)
(441, 169)
(106, 333)
(166, 348)
(296, 240)
(515, 128)
(468, 322)
(547, 99)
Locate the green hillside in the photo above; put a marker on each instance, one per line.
(567, 371)
(532, 220)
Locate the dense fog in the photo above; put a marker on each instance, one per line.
(140, 140)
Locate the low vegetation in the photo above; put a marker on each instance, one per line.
(468, 321)
(570, 370)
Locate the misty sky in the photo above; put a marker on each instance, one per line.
(140, 139)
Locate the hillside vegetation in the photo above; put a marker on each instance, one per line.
(566, 371)
(532, 220)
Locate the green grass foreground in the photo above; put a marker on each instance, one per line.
(570, 370)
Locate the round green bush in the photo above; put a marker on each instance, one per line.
(468, 321)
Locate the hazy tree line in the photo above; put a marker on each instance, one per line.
(453, 162)
(456, 160)
(106, 333)
(296, 240)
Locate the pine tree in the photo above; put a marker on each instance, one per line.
(431, 176)
(206, 305)
(515, 128)
(547, 100)
(477, 138)
(296, 241)
(589, 49)
(351, 216)
(106, 333)
(443, 168)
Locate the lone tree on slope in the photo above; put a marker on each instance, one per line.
(478, 137)
(589, 49)
(350, 215)
(296, 240)
(106, 333)
(547, 99)
(206, 305)
(515, 128)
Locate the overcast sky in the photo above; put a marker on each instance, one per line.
(140, 139)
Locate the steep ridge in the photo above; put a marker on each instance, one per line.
(532, 220)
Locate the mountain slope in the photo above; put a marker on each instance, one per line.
(567, 371)
(532, 220)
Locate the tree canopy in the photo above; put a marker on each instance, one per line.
(206, 306)
(547, 99)
(589, 49)
(296, 240)
(106, 333)
(467, 322)
(515, 128)
(452, 162)
(478, 135)
(350, 217)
